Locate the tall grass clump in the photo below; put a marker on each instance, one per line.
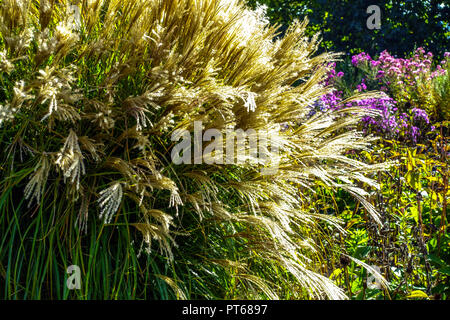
(91, 93)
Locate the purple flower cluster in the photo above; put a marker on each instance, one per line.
(362, 87)
(332, 75)
(420, 115)
(392, 75)
(403, 71)
(360, 58)
(332, 100)
(388, 123)
(406, 71)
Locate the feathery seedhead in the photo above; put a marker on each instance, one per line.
(36, 185)
(70, 160)
(6, 113)
(5, 64)
(109, 202)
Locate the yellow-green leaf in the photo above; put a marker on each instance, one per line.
(418, 294)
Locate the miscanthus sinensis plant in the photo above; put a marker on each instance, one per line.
(92, 91)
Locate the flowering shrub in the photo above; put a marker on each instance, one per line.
(409, 104)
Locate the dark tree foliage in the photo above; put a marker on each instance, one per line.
(404, 24)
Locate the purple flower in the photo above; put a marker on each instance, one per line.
(380, 74)
(420, 114)
(359, 58)
(415, 133)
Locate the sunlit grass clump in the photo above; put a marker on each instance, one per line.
(91, 92)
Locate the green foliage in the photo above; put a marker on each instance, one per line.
(405, 24)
